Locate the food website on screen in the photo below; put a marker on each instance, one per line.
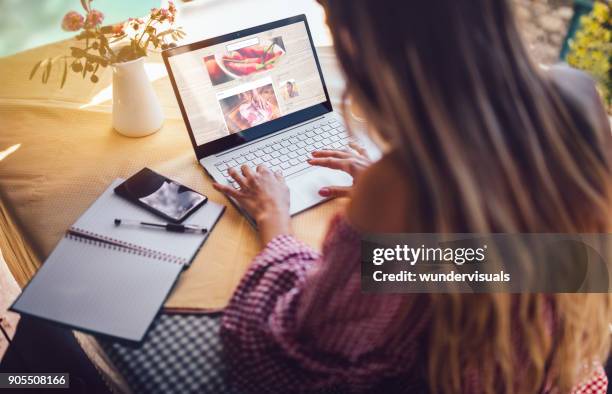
(239, 84)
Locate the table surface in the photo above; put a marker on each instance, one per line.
(58, 152)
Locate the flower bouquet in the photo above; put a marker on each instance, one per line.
(136, 108)
(156, 31)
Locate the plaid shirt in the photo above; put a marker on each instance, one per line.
(298, 322)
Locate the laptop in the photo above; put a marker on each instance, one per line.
(258, 96)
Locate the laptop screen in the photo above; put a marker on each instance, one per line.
(241, 83)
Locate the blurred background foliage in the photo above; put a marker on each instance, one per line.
(547, 27)
(591, 48)
(26, 24)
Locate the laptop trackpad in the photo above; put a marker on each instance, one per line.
(305, 187)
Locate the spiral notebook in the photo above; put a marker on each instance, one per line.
(113, 280)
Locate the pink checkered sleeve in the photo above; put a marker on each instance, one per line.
(268, 291)
(597, 383)
(299, 322)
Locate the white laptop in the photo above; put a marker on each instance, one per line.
(258, 96)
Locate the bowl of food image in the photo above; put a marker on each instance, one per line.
(250, 60)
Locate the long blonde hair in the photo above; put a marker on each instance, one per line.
(493, 146)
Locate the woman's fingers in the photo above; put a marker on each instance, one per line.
(262, 169)
(359, 149)
(247, 172)
(238, 178)
(338, 154)
(331, 162)
(279, 176)
(230, 191)
(335, 191)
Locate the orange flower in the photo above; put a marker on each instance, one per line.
(94, 18)
(72, 21)
(118, 29)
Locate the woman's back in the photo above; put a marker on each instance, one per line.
(384, 201)
(480, 140)
(392, 209)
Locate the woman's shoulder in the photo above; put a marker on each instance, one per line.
(380, 198)
(578, 90)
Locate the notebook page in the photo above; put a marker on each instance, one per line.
(99, 220)
(98, 288)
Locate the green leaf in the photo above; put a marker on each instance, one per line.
(35, 68)
(77, 52)
(165, 32)
(47, 72)
(65, 75)
(85, 34)
(43, 67)
(103, 41)
(116, 39)
(91, 58)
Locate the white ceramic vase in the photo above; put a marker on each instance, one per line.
(136, 108)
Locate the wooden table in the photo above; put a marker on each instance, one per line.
(58, 152)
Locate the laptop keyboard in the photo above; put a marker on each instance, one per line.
(288, 155)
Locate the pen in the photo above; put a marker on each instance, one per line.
(176, 228)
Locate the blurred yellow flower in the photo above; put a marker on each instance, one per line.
(591, 48)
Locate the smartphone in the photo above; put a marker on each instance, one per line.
(160, 195)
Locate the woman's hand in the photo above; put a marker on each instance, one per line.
(265, 196)
(352, 162)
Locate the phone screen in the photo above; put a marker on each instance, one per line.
(161, 195)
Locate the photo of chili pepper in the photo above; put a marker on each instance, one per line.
(242, 68)
(229, 65)
(252, 59)
(259, 52)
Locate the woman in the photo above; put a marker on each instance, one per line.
(476, 139)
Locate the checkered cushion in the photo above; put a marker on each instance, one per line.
(181, 354)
